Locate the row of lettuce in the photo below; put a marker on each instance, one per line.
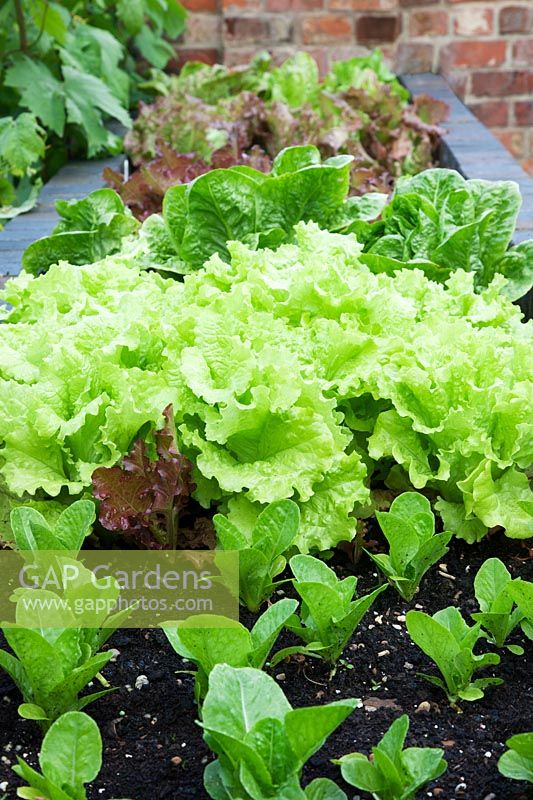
(260, 741)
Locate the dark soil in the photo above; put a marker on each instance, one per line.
(153, 749)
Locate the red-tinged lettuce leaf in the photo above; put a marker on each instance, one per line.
(144, 497)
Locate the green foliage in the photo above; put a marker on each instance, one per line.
(517, 761)
(21, 152)
(409, 528)
(329, 613)
(32, 532)
(393, 773)
(261, 556)
(71, 756)
(497, 615)
(89, 230)
(449, 642)
(522, 593)
(208, 640)
(294, 373)
(439, 222)
(262, 743)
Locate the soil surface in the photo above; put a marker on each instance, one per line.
(153, 748)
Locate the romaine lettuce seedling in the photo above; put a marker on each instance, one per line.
(497, 615)
(71, 756)
(32, 531)
(522, 593)
(517, 762)
(414, 547)
(449, 642)
(262, 743)
(329, 614)
(209, 639)
(261, 556)
(393, 773)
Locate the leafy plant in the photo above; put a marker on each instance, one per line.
(261, 742)
(89, 229)
(22, 149)
(393, 773)
(209, 639)
(329, 614)
(90, 355)
(70, 756)
(261, 554)
(143, 498)
(517, 761)
(439, 222)
(32, 532)
(449, 642)
(497, 615)
(409, 528)
(522, 593)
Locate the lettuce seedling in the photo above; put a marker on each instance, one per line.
(209, 639)
(262, 743)
(393, 773)
(497, 615)
(414, 547)
(261, 556)
(33, 532)
(522, 593)
(329, 614)
(449, 642)
(71, 756)
(517, 762)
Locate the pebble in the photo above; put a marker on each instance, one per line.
(3, 786)
(281, 676)
(383, 653)
(176, 760)
(423, 708)
(408, 665)
(141, 681)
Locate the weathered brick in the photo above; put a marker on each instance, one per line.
(373, 29)
(326, 28)
(428, 23)
(411, 3)
(492, 112)
(294, 5)
(514, 140)
(474, 22)
(413, 57)
(473, 54)
(459, 83)
(363, 5)
(527, 165)
(523, 52)
(516, 19)
(523, 112)
(210, 6)
(242, 5)
(499, 83)
(203, 30)
(276, 29)
(209, 55)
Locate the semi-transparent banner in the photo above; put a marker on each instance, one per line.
(115, 588)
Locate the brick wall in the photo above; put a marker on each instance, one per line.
(483, 47)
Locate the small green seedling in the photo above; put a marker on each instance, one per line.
(33, 533)
(261, 556)
(522, 593)
(262, 743)
(414, 547)
(393, 773)
(329, 614)
(209, 639)
(449, 642)
(517, 761)
(497, 615)
(71, 756)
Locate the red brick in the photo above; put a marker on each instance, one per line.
(459, 83)
(411, 57)
(326, 28)
(527, 165)
(470, 1)
(523, 112)
(474, 22)
(209, 55)
(515, 19)
(523, 52)
(203, 30)
(210, 6)
(277, 30)
(242, 5)
(513, 140)
(428, 23)
(235, 56)
(363, 5)
(499, 83)
(378, 29)
(474, 54)
(412, 3)
(293, 5)
(492, 112)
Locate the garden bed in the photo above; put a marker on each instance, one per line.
(153, 747)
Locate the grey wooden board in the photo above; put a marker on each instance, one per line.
(73, 181)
